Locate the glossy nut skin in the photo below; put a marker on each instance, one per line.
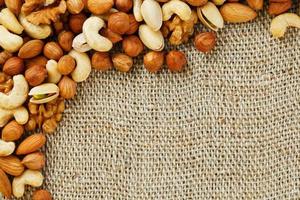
(122, 62)
(76, 22)
(132, 46)
(52, 50)
(119, 22)
(205, 41)
(124, 5)
(153, 61)
(176, 61)
(65, 39)
(101, 61)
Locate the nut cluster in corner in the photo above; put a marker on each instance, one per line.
(49, 46)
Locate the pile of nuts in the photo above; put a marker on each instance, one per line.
(49, 46)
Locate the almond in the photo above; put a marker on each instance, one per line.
(237, 13)
(13, 66)
(31, 144)
(5, 185)
(34, 161)
(11, 165)
(31, 49)
(280, 7)
(12, 131)
(52, 50)
(256, 4)
(41, 195)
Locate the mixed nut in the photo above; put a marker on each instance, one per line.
(49, 46)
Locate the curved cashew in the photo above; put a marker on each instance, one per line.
(280, 23)
(9, 41)
(29, 177)
(53, 74)
(180, 8)
(90, 29)
(6, 148)
(34, 31)
(83, 66)
(17, 95)
(137, 10)
(152, 14)
(154, 40)
(80, 44)
(20, 114)
(9, 20)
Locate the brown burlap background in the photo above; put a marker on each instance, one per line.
(225, 128)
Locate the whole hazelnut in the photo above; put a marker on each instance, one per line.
(205, 42)
(76, 22)
(41, 195)
(67, 87)
(176, 61)
(122, 62)
(133, 25)
(124, 5)
(153, 61)
(58, 26)
(99, 7)
(132, 45)
(197, 2)
(101, 61)
(75, 6)
(112, 36)
(35, 75)
(39, 60)
(119, 22)
(52, 50)
(65, 39)
(66, 65)
(13, 66)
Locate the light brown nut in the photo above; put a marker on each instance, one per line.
(31, 49)
(197, 2)
(112, 36)
(99, 7)
(11, 165)
(5, 185)
(153, 61)
(65, 39)
(4, 56)
(132, 46)
(52, 50)
(205, 41)
(75, 6)
(276, 8)
(101, 61)
(67, 87)
(34, 161)
(122, 62)
(13, 66)
(35, 75)
(41, 195)
(133, 24)
(12, 131)
(49, 126)
(237, 13)
(31, 144)
(14, 5)
(39, 60)
(176, 61)
(256, 4)
(123, 5)
(119, 22)
(76, 22)
(66, 65)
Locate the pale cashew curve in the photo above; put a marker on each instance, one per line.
(9, 21)
(20, 114)
(80, 44)
(137, 10)
(9, 41)
(90, 29)
(177, 7)
(53, 74)
(83, 66)
(17, 96)
(281, 22)
(6, 148)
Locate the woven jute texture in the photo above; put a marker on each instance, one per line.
(228, 127)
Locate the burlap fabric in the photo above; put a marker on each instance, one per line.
(225, 128)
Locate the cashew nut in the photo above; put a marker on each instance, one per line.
(178, 7)
(280, 23)
(152, 14)
(29, 177)
(34, 31)
(53, 74)
(20, 114)
(80, 44)
(83, 66)
(9, 41)
(90, 29)
(9, 20)
(6, 148)
(154, 40)
(137, 10)
(17, 96)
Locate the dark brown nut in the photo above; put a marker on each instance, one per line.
(35, 75)
(58, 26)
(176, 61)
(133, 25)
(52, 50)
(278, 7)
(76, 22)
(153, 61)
(66, 65)
(99, 7)
(13, 66)
(123, 5)
(101, 61)
(205, 42)
(122, 62)
(119, 22)
(132, 45)
(39, 60)
(112, 36)
(65, 39)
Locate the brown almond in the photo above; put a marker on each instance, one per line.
(31, 144)
(280, 7)
(65, 39)
(34, 161)
(13, 66)
(5, 185)
(66, 64)
(256, 4)
(11, 165)
(12, 131)
(31, 49)
(237, 13)
(52, 50)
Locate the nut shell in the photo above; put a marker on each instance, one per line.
(52, 50)
(35, 75)
(31, 49)
(13, 66)
(12, 131)
(176, 61)
(67, 87)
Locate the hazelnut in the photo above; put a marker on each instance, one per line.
(101, 61)
(197, 2)
(13, 66)
(35, 75)
(122, 62)
(39, 60)
(132, 46)
(99, 7)
(176, 61)
(76, 22)
(153, 61)
(205, 42)
(119, 22)
(58, 26)
(12, 131)
(52, 50)
(65, 39)
(66, 65)
(124, 5)
(133, 25)
(75, 6)
(41, 195)
(112, 36)
(67, 87)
